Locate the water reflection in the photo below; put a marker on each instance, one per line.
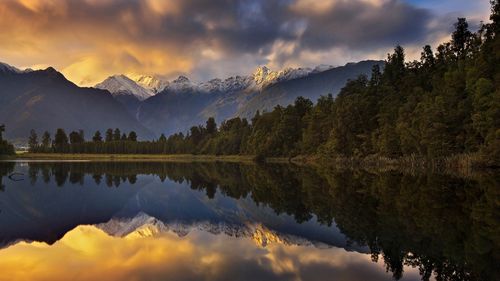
(444, 227)
(198, 256)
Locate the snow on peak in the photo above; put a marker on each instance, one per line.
(144, 225)
(181, 79)
(5, 68)
(264, 76)
(152, 83)
(322, 67)
(122, 85)
(182, 83)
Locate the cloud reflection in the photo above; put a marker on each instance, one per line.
(88, 253)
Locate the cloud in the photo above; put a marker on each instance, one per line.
(90, 39)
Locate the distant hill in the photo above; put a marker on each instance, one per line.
(46, 100)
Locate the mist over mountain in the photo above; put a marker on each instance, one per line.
(46, 100)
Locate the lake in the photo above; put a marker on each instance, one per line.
(229, 221)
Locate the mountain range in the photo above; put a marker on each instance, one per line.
(150, 105)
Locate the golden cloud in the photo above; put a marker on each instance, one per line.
(88, 253)
(39, 33)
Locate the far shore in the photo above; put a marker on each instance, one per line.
(145, 157)
(462, 164)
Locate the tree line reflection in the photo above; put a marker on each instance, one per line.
(440, 224)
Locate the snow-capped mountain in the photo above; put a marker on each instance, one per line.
(122, 85)
(5, 69)
(184, 103)
(144, 225)
(154, 84)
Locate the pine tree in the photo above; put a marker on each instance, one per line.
(2, 130)
(162, 138)
(211, 126)
(132, 136)
(117, 135)
(33, 141)
(75, 137)
(109, 135)
(461, 37)
(60, 140)
(46, 141)
(97, 138)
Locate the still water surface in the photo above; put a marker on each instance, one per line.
(226, 221)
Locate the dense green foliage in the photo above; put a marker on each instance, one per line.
(5, 147)
(446, 103)
(443, 225)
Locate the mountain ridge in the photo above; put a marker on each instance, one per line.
(45, 100)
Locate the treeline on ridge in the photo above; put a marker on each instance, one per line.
(444, 104)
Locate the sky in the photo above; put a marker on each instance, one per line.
(89, 40)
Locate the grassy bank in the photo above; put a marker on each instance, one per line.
(460, 164)
(135, 157)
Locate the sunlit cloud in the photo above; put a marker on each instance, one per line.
(89, 40)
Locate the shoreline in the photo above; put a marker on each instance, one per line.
(464, 163)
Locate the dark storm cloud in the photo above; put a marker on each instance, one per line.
(362, 25)
(250, 26)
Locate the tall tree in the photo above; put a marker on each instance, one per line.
(33, 140)
(46, 140)
(97, 137)
(162, 138)
(117, 135)
(60, 140)
(461, 37)
(109, 135)
(75, 137)
(132, 136)
(211, 126)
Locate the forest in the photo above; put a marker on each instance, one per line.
(447, 103)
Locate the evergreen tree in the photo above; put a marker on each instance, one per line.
(211, 126)
(117, 135)
(5, 147)
(109, 135)
(33, 141)
(75, 137)
(46, 141)
(461, 37)
(97, 138)
(60, 140)
(132, 136)
(162, 138)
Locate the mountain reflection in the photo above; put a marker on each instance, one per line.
(445, 227)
